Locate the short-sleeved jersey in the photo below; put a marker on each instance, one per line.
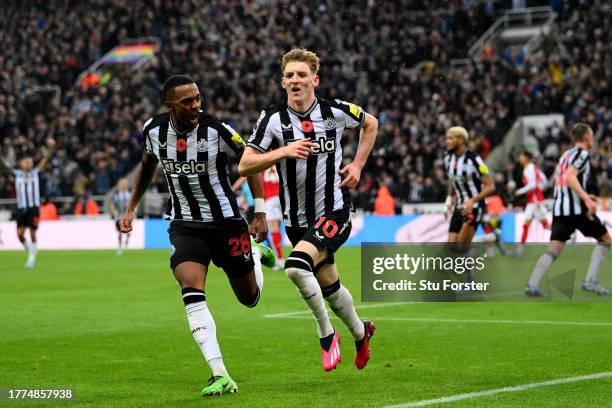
(465, 173)
(195, 166)
(311, 187)
(270, 183)
(27, 188)
(567, 201)
(121, 200)
(533, 184)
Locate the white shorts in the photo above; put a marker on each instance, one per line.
(273, 209)
(535, 210)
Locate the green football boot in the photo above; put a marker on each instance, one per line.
(219, 385)
(267, 255)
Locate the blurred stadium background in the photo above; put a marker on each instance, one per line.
(517, 74)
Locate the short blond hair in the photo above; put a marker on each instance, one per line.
(461, 131)
(301, 55)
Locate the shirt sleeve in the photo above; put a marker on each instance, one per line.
(146, 140)
(530, 176)
(264, 131)
(230, 141)
(580, 159)
(354, 115)
(480, 166)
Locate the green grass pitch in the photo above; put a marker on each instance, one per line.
(114, 330)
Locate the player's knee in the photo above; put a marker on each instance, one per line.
(298, 262)
(250, 300)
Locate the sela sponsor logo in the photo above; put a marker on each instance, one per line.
(321, 145)
(184, 168)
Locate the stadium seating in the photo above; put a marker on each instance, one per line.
(369, 52)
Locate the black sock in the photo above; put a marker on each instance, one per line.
(327, 341)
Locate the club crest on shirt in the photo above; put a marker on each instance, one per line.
(329, 123)
(202, 145)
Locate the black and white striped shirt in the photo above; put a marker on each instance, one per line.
(567, 201)
(27, 188)
(195, 166)
(464, 173)
(310, 187)
(121, 199)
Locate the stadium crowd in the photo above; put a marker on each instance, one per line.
(393, 58)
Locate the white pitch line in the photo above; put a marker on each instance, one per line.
(479, 394)
(301, 315)
(307, 312)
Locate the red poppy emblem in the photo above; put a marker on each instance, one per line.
(307, 126)
(181, 145)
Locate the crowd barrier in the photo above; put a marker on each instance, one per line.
(153, 233)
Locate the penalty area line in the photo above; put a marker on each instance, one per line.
(488, 393)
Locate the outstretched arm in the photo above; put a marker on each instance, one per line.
(47, 158)
(367, 136)
(143, 179)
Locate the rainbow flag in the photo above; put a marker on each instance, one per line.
(129, 54)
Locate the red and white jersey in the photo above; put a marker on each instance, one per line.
(534, 184)
(270, 183)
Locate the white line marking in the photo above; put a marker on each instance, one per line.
(306, 313)
(300, 315)
(489, 393)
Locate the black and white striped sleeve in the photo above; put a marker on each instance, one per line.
(580, 159)
(230, 141)
(146, 139)
(481, 167)
(354, 115)
(265, 131)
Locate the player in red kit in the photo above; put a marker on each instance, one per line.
(271, 199)
(534, 184)
(274, 213)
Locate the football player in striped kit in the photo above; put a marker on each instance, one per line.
(119, 204)
(28, 198)
(194, 149)
(303, 138)
(574, 209)
(469, 185)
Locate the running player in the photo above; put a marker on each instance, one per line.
(194, 148)
(302, 138)
(573, 210)
(469, 185)
(534, 184)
